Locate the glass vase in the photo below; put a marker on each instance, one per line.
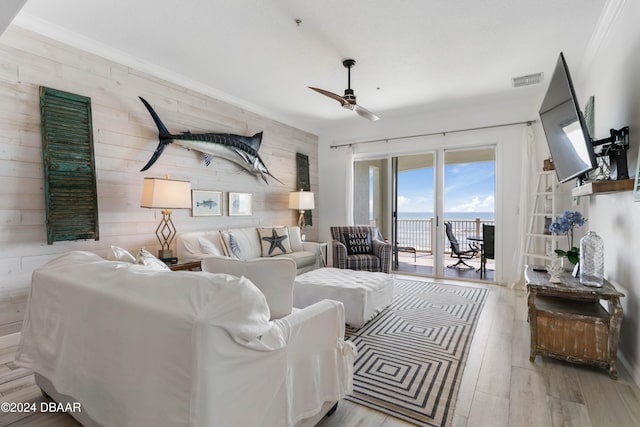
(567, 265)
(592, 260)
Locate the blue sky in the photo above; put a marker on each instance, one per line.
(469, 187)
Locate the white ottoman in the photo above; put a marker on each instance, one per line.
(363, 293)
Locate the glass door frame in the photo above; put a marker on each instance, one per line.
(439, 244)
(439, 241)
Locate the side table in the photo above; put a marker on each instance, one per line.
(323, 250)
(189, 266)
(568, 322)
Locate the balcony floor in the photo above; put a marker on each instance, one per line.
(423, 266)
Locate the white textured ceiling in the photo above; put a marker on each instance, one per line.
(409, 53)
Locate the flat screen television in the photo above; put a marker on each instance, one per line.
(564, 126)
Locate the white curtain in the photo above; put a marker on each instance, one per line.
(349, 186)
(514, 271)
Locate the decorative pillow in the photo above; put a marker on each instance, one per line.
(148, 260)
(275, 241)
(295, 239)
(231, 243)
(208, 247)
(123, 255)
(357, 243)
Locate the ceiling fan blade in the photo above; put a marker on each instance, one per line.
(363, 112)
(332, 95)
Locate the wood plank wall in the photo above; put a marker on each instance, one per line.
(124, 137)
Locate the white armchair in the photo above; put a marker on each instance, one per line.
(273, 276)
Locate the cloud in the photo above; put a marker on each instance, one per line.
(415, 203)
(403, 201)
(476, 205)
(421, 199)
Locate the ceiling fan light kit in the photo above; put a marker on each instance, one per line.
(348, 101)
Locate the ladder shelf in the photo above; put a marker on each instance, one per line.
(539, 242)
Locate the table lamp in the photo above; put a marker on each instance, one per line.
(165, 194)
(301, 201)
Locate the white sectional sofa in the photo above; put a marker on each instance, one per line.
(138, 346)
(247, 243)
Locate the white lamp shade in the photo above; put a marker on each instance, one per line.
(301, 200)
(160, 193)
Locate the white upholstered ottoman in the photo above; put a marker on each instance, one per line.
(363, 293)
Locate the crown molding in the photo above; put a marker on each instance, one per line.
(609, 16)
(78, 41)
(8, 11)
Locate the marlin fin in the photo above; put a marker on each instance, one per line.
(252, 141)
(163, 134)
(243, 155)
(156, 154)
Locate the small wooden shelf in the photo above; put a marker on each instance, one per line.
(603, 187)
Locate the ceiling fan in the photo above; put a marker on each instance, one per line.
(348, 101)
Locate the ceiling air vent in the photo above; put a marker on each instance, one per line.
(530, 79)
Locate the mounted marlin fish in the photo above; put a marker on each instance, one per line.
(241, 150)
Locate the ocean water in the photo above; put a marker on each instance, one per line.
(487, 216)
(418, 235)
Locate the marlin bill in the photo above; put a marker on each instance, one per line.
(241, 150)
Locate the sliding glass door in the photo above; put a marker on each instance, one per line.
(414, 226)
(469, 205)
(410, 198)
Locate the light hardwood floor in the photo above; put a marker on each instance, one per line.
(500, 387)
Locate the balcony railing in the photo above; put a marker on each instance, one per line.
(419, 233)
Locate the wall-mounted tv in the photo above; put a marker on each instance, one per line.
(564, 126)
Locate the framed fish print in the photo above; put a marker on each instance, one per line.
(240, 204)
(206, 203)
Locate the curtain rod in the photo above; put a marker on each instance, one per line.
(443, 133)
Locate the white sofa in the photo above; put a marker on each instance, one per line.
(135, 346)
(196, 245)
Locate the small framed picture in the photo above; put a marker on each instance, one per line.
(206, 203)
(240, 204)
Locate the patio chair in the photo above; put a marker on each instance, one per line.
(488, 247)
(456, 252)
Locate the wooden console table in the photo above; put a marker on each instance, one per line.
(568, 322)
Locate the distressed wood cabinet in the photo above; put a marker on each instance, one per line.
(568, 322)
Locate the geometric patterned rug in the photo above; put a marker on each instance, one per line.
(412, 355)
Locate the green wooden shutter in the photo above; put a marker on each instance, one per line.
(69, 167)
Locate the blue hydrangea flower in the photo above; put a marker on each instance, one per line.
(565, 224)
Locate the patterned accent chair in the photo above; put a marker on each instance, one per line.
(378, 260)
